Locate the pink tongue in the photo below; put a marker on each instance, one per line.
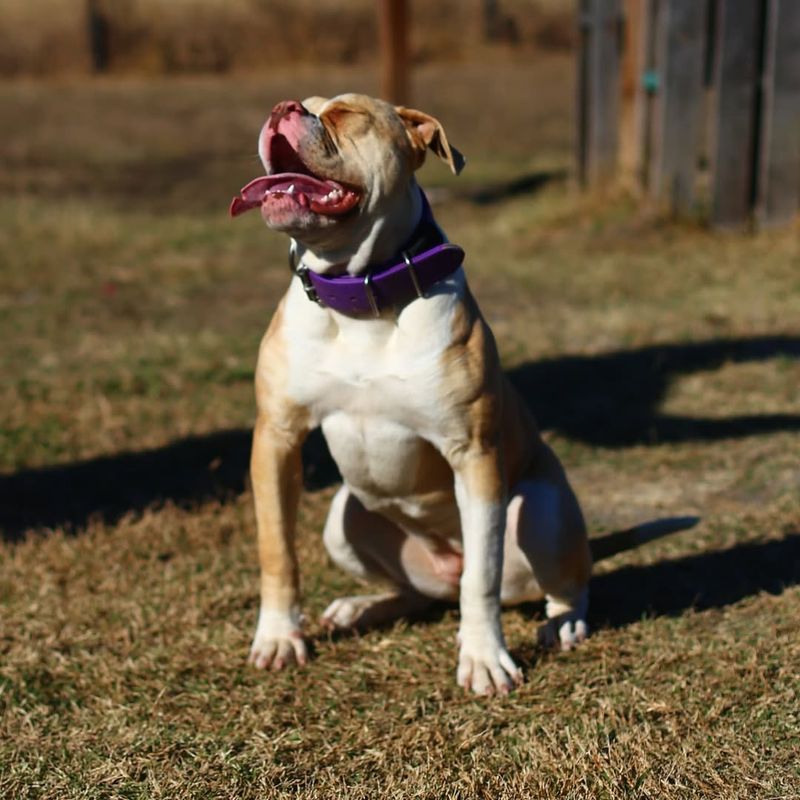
(252, 195)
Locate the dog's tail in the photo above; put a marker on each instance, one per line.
(620, 541)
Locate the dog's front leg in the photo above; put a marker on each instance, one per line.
(276, 472)
(484, 665)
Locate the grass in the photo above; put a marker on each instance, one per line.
(661, 359)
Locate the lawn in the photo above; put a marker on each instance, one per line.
(662, 360)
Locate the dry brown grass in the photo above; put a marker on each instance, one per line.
(48, 37)
(662, 360)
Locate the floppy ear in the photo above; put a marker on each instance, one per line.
(426, 132)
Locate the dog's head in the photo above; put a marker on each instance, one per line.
(332, 164)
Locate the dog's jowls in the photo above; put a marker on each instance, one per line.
(449, 491)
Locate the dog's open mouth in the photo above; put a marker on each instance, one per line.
(298, 186)
(322, 197)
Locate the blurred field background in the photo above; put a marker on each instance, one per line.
(661, 359)
(48, 37)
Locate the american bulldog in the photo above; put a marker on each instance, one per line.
(449, 491)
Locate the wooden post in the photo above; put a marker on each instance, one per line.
(490, 20)
(393, 34)
(739, 24)
(98, 36)
(678, 101)
(778, 186)
(598, 90)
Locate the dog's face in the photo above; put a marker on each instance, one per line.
(330, 163)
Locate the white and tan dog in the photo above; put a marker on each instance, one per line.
(449, 491)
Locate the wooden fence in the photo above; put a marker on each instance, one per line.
(696, 103)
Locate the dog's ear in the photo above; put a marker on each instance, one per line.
(315, 104)
(426, 132)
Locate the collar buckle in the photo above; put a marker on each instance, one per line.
(308, 287)
(301, 271)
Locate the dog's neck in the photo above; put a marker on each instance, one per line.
(383, 232)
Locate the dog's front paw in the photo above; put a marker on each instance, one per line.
(278, 642)
(485, 667)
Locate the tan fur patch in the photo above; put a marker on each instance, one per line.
(276, 472)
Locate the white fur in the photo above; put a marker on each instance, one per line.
(278, 636)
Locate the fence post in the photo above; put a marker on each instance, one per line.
(739, 24)
(598, 90)
(778, 189)
(393, 34)
(98, 36)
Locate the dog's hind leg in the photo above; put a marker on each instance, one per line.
(371, 548)
(547, 552)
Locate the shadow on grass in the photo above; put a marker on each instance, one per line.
(186, 472)
(610, 399)
(702, 581)
(625, 596)
(524, 184)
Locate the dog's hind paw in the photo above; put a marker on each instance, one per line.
(367, 610)
(565, 634)
(566, 624)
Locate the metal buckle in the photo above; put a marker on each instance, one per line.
(302, 273)
(371, 295)
(413, 273)
(308, 286)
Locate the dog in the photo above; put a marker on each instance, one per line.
(449, 492)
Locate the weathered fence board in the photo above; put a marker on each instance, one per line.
(778, 192)
(598, 89)
(703, 83)
(679, 60)
(632, 117)
(736, 78)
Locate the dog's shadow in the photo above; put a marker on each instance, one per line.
(609, 399)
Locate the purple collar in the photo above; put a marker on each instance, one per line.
(403, 279)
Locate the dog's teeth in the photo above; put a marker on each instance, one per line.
(332, 196)
(290, 190)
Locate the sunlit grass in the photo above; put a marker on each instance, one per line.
(130, 314)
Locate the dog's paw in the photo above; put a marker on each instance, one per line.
(367, 610)
(345, 613)
(566, 622)
(485, 667)
(278, 642)
(563, 633)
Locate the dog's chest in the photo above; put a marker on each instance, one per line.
(375, 388)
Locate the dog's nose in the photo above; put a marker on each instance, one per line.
(283, 110)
